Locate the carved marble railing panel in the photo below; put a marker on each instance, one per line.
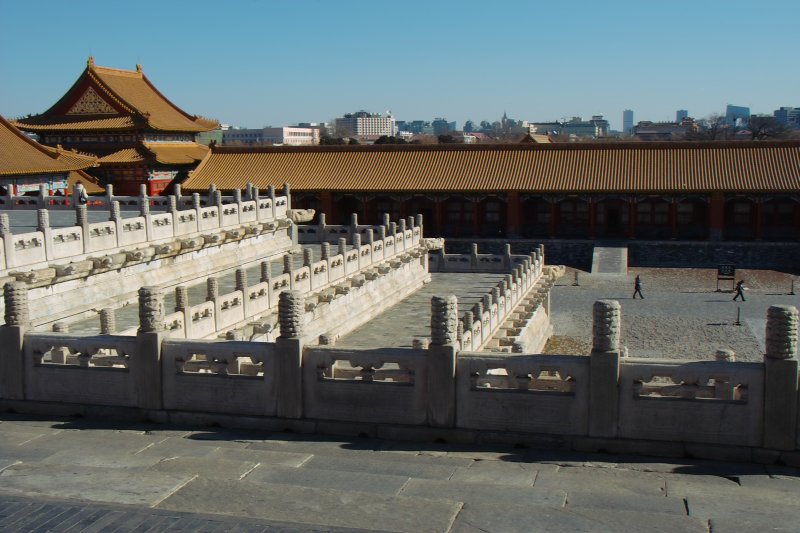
(319, 274)
(281, 205)
(248, 212)
(201, 320)
(186, 222)
(102, 236)
(416, 235)
(264, 211)
(365, 256)
(132, 231)
(301, 279)
(161, 226)
(94, 370)
(258, 298)
(533, 393)
(231, 377)
(207, 218)
(377, 251)
(67, 242)
(29, 248)
(279, 284)
(351, 262)
(3, 262)
(699, 401)
(229, 215)
(229, 309)
(175, 324)
(387, 385)
(333, 233)
(389, 248)
(336, 268)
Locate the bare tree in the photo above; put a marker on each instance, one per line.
(762, 127)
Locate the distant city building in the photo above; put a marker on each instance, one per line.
(681, 114)
(544, 128)
(415, 126)
(442, 127)
(287, 135)
(736, 115)
(367, 125)
(627, 121)
(664, 131)
(789, 116)
(596, 127)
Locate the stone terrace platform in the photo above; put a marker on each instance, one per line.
(74, 475)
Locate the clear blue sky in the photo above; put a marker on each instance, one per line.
(256, 62)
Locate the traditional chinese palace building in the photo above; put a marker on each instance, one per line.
(137, 133)
(691, 191)
(26, 165)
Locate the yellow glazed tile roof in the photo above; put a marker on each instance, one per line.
(116, 100)
(165, 153)
(562, 168)
(20, 155)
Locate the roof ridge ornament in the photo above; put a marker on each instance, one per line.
(90, 62)
(138, 68)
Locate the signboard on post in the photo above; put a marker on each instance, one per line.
(726, 272)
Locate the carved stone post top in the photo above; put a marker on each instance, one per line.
(495, 294)
(410, 222)
(151, 309)
(115, 213)
(196, 200)
(356, 240)
(444, 320)
(487, 302)
(381, 232)
(143, 190)
(370, 236)
(43, 189)
(212, 289)
(5, 224)
(42, 219)
(271, 191)
(342, 245)
(478, 309)
(181, 297)
(606, 325)
(473, 248)
(507, 249)
(172, 203)
(266, 271)
(109, 190)
(325, 250)
(354, 219)
(781, 334)
(308, 256)
(725, 355)
(419, 220)
(218, 198)
(291, 314)
(469, 319)
(234, 335)
(402, 225)
(177, 191)
(237, 195)
(322, 219)
(393, 228)
(385, 219)
(144, 208)
(287, 263)
(108, 321)
(286, 189)
(15, 295)
(241, 279)
(60, 327)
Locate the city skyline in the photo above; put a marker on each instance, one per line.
(257, 64)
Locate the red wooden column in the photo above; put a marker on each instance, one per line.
(553, 219)
(632, 219)
(326, 204)
(759, 216)
(513, 214)
(476, 217)
(716, 214)
(673, 218)
(438, 215)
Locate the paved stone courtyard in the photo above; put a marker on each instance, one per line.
(681, 317)
(76, 475)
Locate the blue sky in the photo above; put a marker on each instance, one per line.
(255, 63)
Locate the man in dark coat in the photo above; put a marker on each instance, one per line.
(637, 288)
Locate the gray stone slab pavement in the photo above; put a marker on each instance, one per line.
(81, 475)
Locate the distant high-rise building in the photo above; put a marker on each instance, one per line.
(790, 116)
(627, 121)
(364, 124)
(735, 114)
(442, 127)
(681, 114)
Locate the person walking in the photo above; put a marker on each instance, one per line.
(739, 290)
(637, 287)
